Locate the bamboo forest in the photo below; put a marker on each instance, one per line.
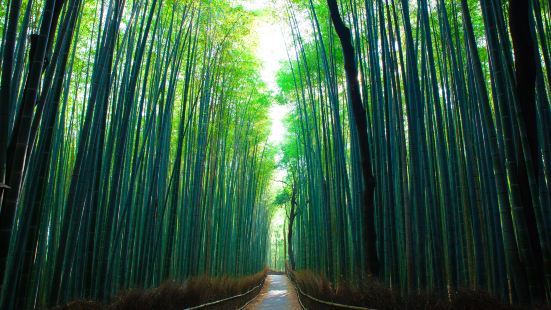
(190, 154)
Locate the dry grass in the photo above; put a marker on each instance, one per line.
(374, 294)
(172, 295)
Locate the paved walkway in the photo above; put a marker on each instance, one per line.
(277, 293)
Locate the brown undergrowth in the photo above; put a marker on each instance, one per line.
(376, 295)
(173, 295)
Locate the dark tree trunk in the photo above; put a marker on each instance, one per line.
(5, 102)
(292, 216)
(525, 69)
(525, 76)
(59, 65)
(50, 62)
(16, 171)
(360, 121)
(46, 62)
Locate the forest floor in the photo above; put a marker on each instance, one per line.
(277, 293)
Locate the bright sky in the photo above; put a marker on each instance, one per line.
(270, 51)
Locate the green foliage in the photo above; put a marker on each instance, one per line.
(448, 146)
(149, 160)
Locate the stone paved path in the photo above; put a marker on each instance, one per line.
(277, 293)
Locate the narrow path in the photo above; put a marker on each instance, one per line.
(277, 293)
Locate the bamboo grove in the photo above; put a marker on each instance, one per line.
(133, 147)
(459, 150)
